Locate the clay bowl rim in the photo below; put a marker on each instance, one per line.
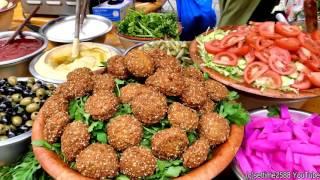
(222, 156)
(240, 86)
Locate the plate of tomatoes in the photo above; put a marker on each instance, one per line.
(268, 59)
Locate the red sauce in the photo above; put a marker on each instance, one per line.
(18, 48)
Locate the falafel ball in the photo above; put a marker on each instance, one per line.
(196, 154)
(124, 131)
(194, 94)
(116, 67)
(149, 108)
(103, 82)
(98, 161)
(137, 162)
(216, 90)
(53, 105)
(192, 72)
(214, 128)
(102, 106)
(208, 106)
(164, 61)
(182, 117)
(54, 126)
(74, 139)
(74, 89)
(168, 83)
(132, 90)
(83, 73)
(139, 63)
(169, 143)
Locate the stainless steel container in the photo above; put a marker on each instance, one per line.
(19, 67)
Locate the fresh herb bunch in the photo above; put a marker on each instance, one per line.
(27, 168)
(152, 25)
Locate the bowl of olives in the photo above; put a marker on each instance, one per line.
(20, 101)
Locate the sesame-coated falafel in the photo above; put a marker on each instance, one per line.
(216, 90)
(194, 93)
(132, 90)
(182, 117)
(208, 106)
(149, 108)
(74, 89)
(196, 154)
(102, 106)
(54, 126)
(169, 143)
(168, 83)
(139, 63)
(164, 61)
(116, 67)
(193, 73)
(74, 139)
(137, 162)
(98, 161)
(53, 105)
(83, 73)
(103, 82)
(214, 128)
(124, 131)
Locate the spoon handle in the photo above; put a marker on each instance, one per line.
(76, 41)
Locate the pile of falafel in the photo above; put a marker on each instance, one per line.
(163, 77)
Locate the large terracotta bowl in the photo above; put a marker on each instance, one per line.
(241, 86)
(221, 157)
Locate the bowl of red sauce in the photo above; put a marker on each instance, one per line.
(15, 56)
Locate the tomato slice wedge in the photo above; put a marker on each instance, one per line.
(314, 77)
(309, 43)
(280, 66)
(254, 70)
(304, 54)
(272, 79)
(213, 47)
(266, 29)
(316, 35)
(226, 58)
(291, 44)
(313, 63)
(287, 30)
(250, 57)
(232, 39)
(302, 82)
(263, 55)
(240, 51)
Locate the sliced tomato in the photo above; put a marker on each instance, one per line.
(316, 35)
(291, 44)
(253, 71)
(271, 79)
(287, 30)
(259, 43)
(281, 66)
(240, 51)
(263, 55)
(250, 57)
(280, 53)
(313, 63)
(232, 39)
(226, 58)
(294, 57)
(213, 47)
(309, 43)
(266, 29)
(314, 78)
(302, 82)
(304, 54)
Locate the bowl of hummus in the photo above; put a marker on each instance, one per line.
(54, 65)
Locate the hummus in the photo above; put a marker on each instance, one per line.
(56, 63)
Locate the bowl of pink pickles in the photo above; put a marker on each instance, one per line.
(284, 146)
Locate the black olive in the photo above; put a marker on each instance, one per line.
(11, 134)
(24, 117)
(2, 82)
(2, 90)
(23, 128)
(19, 88)
(11, 90)
(2, 106)
(4, 120)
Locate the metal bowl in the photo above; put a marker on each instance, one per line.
(19, 66)
(296, 115)
(11, 149)
(55, 81)
(44, 29)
